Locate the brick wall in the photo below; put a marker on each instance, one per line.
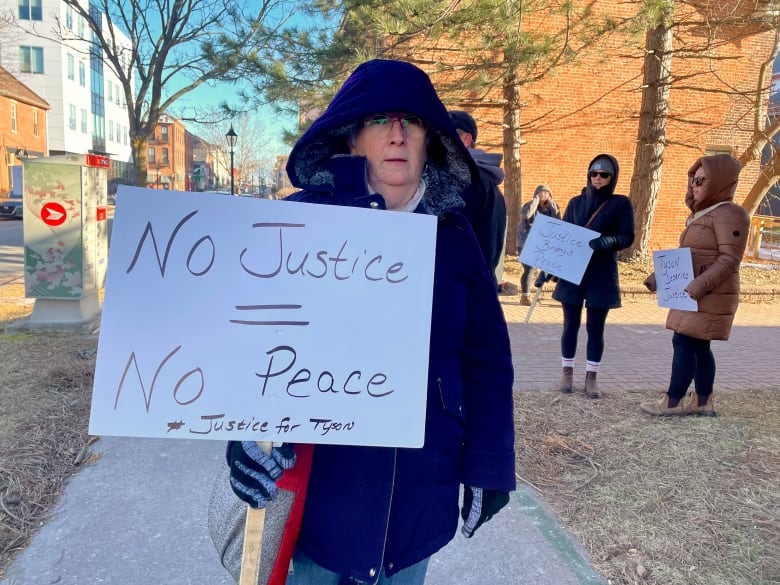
(21, 138)
(592, 106)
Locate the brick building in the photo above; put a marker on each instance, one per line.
(592, 106)
(22, 126)
(167, 163)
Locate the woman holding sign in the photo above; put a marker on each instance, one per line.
(600, 209)
(374, 514)
(716, 232)
(542, 202)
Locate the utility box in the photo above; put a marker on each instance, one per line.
(65, 238)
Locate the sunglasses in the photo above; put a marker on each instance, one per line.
(698, 181)
(603, 175)
(387, 120)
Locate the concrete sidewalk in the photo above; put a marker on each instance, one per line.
(138, 515)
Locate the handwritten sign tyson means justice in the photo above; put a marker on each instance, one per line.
(673, 272)
(235, 318)
(558, 248)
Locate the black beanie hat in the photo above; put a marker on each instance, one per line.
(463, 121)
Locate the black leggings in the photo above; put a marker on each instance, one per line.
(525, 278)
(693, 361)
(595, 319)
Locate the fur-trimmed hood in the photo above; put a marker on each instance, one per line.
(378, 86)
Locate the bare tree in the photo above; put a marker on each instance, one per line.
(651, 131)
(251, 157)
(692, 31)
(174, 47)
(765, 129)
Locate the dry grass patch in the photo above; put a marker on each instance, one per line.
(13, 305)
(689, 501)
(45, 392)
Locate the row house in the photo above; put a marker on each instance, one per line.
(179, 160)
(167, 161)
(22, 127)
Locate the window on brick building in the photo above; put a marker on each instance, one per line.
(151, 156)
(14, 127)
(36, 126)
(165, 156)
(714, 149)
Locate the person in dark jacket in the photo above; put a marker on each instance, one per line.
(600, 209)
(717, 233)
(485, 205)
(385, 142)
(542, 202)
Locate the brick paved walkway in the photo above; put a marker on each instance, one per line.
(638, 351)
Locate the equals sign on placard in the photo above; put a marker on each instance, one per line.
(261, 308)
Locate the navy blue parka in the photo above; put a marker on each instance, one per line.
(369, 508)
(600, 286)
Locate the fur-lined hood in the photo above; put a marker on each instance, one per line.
(378, 86)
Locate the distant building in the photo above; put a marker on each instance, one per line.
(88, 108)
(167, 165)
(23, 130)
(281, 182)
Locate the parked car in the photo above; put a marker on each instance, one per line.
(12, 206)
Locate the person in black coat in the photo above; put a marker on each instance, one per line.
(600, 209)
(485, 206)
(374, 513)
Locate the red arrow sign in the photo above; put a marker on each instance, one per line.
(53, 214)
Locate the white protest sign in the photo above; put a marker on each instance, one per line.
(237, 318)
(558, 248)
(673, 272)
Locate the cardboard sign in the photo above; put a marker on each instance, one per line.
(241, 318)
(558, 248)
(673, 272)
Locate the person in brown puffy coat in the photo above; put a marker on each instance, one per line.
(716, 232)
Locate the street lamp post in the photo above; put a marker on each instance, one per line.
(231, 138)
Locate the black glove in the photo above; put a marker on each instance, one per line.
(479, 506)
(541, 279)
(253, 474)
(602, 243)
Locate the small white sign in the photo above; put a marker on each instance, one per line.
(238, 318)
(558, 248)
(673, 272)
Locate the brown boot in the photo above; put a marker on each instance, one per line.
(567, 380)
(694, 407)
(591, 388)
(525, 300)
(662, 408)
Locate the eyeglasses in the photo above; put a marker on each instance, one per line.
(386, 121)
(699, 181)
(603, 175)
